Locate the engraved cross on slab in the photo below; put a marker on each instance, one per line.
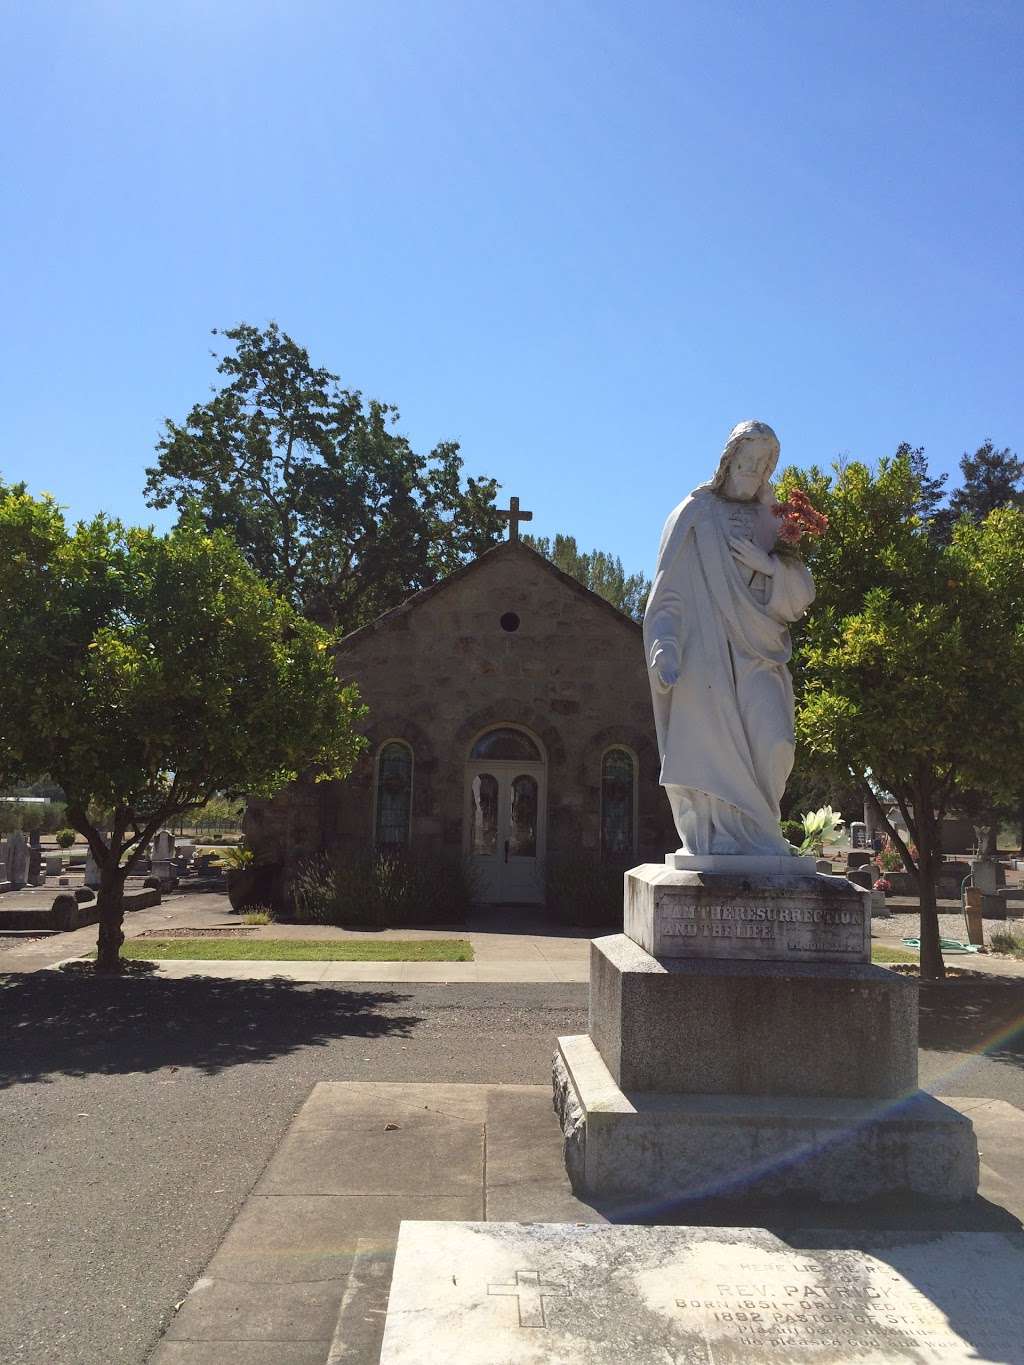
(530, 1291)
(513, 516)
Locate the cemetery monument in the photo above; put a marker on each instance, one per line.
(740, 1041)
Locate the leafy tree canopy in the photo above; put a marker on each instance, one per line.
(600, 572)
(907, 669)
(153, 672)
(326, 500)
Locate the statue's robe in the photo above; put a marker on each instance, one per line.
(725, 730)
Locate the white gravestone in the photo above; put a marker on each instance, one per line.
(716, 635)
(163, 846)
(549, 1294)
(17, 859)
(92, 872)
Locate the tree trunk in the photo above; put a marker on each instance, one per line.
(110, 904)
(932, 966)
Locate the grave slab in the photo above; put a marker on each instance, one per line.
(558, 1294)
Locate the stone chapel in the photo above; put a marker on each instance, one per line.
(509, 722)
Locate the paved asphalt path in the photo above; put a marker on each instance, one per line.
(138, 1114)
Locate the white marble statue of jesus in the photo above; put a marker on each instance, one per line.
(717, 643)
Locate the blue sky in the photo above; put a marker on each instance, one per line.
(583, 239)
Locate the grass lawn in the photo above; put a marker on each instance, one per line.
(295, 950)
(881, 953)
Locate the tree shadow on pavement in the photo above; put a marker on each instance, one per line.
(974, 1013)
(56, 1024)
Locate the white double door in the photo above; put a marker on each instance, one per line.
(506, 802)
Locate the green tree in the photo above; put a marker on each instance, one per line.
(600, 572)
(326, 500)
(907, 668)
(152, 673)
(931, 491)
(991, 479)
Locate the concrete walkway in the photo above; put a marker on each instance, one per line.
(534, 968)
(303, 1275)
(508, 945)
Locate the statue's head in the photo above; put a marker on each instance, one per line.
(748, 462)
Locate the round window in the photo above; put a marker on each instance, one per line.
(510, 621)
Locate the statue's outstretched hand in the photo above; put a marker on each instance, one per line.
(751, 555)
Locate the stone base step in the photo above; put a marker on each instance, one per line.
(659, 1147)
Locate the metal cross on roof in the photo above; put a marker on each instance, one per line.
(513, 516)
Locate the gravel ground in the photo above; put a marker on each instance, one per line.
(905, 925)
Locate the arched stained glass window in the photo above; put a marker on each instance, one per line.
(506, 743)
(394, 795)
(618, 803)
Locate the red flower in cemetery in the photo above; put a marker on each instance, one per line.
(801, 522)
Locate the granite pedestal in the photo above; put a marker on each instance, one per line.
(741, 1042)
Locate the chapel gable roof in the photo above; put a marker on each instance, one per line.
(504, 549)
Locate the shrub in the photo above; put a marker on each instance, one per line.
(233, 857)
(584, 891)
(65, 838)
(793, 832)
(1003, 942)
(890, 858)
(382, 891)
(258, 916)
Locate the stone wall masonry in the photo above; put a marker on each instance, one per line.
(440, 670)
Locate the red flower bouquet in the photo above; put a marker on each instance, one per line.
(800, 523)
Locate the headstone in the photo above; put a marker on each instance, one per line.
(879, 908)
(92, 872)
(985, 874)
(165, 873)
(823, 865)
(861, 876)
(54, 864)
(17, 860)
(163, 846)
(523, 1293)
(858, 858)
(858, 834)
(65, 911)
(36, 874)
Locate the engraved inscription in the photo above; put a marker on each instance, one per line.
(530, 1292)
(881, 1316)
(759, 925)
